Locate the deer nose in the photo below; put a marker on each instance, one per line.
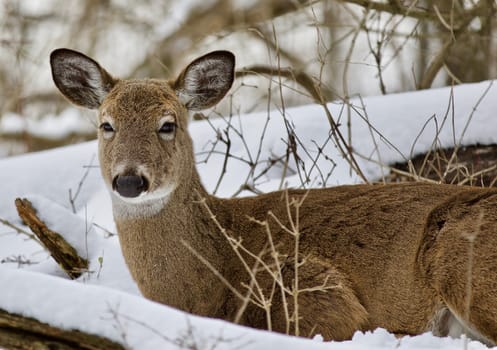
(130, 186)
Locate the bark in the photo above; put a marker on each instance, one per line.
(25, 333)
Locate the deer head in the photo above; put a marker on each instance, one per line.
(145, 150)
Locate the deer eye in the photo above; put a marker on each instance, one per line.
(167, 128)
(107, 129)
(166, 131)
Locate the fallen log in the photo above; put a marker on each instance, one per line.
(25, 333)
(62, 252)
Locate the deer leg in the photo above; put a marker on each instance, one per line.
(460, 262)
(326, 304)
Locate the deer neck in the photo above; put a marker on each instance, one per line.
(169, 220)
(167, 244)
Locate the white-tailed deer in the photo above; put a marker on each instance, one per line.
(409, 257)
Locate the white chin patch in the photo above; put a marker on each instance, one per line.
(144, 197)
(145, 205)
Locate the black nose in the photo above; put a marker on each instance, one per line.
(130, 185)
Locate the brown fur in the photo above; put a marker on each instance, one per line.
(394, 256)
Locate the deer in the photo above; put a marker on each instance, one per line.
(407, 257)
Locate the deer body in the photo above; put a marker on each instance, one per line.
(393, 256)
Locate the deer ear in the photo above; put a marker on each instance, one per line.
(206, 80)
(80, 78)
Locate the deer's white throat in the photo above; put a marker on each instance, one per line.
(145, 205)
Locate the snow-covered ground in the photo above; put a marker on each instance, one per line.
(65, 186)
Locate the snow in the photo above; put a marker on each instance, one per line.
(50, 126)
(66, 188)
(142, 324)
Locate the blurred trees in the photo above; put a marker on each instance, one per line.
(298, 50)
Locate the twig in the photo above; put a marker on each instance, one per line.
(107, 232)
(299, 76)
(19, 230)
(72, 199)
(216, 272)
